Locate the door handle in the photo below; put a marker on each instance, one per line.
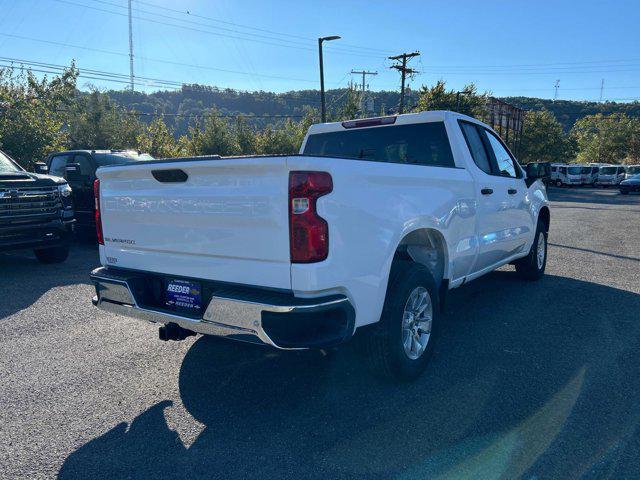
(512, 191)
(486, 191)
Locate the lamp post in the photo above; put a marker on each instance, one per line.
(322, 101)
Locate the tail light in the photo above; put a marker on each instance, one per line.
(97, 216)
(308, 231)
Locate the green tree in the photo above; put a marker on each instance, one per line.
(607, 139)
(157, 140)
(212, 137)
(467, 101)
(543, 139)
(33, 113)
(98, 123)
(247, 138)
(351, 107)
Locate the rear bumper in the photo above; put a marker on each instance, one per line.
(240, 313)
(45, 235)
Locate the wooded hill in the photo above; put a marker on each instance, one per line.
(181, 107)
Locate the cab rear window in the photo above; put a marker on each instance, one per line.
(103, 159)
(415, 144)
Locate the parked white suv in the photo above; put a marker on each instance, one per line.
(364, 231)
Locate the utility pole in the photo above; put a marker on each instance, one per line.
(401, 66)
(364, 73)
(131, 48)
(322, 100)
(601, 89)
(556, 86)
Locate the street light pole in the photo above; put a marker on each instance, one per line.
(322, 100)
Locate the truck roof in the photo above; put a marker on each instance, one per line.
(404, 119)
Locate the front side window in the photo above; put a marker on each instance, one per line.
(504, 162)
(476, 147)
(416, 144)
(58, 164)
(574, 170)
(86, 167)
(6, 165)
(563, 170)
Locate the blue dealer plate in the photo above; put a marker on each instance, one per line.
(184, 295)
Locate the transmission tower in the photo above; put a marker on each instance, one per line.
(131, 49)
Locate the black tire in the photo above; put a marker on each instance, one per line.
(384, 343)
(558, 183)
(528, 267)
(624, 192)
(53, 254)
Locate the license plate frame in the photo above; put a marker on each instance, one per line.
(183, 295)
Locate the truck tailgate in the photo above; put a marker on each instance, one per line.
(228, 221)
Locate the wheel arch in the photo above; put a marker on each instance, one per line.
(545, 216)
(426, 246)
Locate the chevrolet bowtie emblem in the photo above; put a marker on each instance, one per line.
(9, 194)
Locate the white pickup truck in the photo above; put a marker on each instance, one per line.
(364, 231)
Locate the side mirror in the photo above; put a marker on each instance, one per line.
(536, 172)
(73, 172)
(41, 167)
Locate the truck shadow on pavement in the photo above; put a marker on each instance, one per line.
(537, 378)
(25, 280)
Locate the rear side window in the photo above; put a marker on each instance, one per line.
(476, 147)
(416, 144)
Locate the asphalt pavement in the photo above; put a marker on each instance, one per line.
(529, 380)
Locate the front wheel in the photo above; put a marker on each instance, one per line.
(532, 266)
(52, 254)
(558, 183)
(402, 342)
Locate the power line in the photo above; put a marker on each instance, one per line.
(191, 14)
(157, 60)
(123, 78)
(283, 43)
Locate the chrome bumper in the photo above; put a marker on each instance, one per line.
(233, 313)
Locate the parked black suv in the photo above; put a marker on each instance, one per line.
(36, 212)
(79, 167)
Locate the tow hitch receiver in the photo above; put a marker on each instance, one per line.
(172, 331)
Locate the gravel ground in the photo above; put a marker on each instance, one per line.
(532, 380)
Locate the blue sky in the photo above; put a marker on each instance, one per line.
(506, 47)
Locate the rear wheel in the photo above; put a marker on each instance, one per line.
(52, 254)
(402, 342)
(532, 266)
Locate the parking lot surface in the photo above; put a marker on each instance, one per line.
(533, 380)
